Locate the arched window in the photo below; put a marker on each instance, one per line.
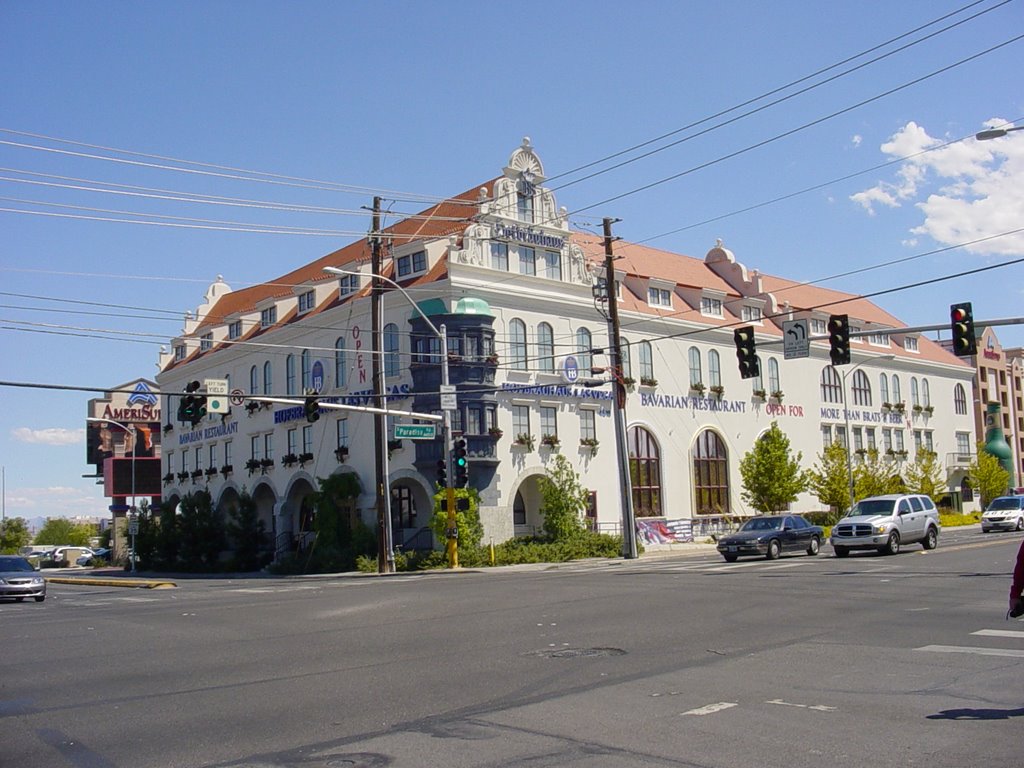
(517, 344)
(915, 396)
(268, 378)
(627, 362)
(392, 365)
(926, 394)
(696, 376)
(897, 396)
(646, 361)
(831, 385)
(883, 389)
(710, 475)
(340, 364)
(307, 364)
(644, 472)
(861, 388)
(546, 349)
(254, 384)
(583, 347)
(289, 375)
(960, 400)
(714, 369)
(774, 380)
(519, 510)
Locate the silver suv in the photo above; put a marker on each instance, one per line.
(886, 523)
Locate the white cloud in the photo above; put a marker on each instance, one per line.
(51, 436)
(57, 501)
(856, 140)
(965, 191)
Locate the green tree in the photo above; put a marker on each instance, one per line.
(875, 474)
(246, 532)
(926, 476)
(200, 536)
(564, 500)
(829, 479)
(772, 477)
(14, 535)
(146, 540)
(60, 530)
(987, 476)
(471, 530)
(167, 537)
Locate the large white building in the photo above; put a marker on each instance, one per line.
(499, 266)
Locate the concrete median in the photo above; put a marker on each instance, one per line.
(97, 581)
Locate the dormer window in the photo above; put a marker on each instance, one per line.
(553, 265)
(307, 301)
(235, 329)
(659, 297)
(524, 201)
(268, 317)
(206, 342)
(711, 306)
(879, 339)
(818, 327)
(179, 352)
(856, 339)
(751, 314)
(412, 264)
(348, 284)
(910, 343)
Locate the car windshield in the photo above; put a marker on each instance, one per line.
(1006, 502)
(8, 564)
(872, 507)
(763, 524)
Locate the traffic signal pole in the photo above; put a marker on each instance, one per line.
(452, 537)
(385, 547)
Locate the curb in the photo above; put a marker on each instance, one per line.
(94, 582)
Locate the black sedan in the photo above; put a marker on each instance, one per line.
(18, 579)
(770, 536)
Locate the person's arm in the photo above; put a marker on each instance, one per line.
(1017, 586)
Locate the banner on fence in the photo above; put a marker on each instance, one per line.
(664, 531)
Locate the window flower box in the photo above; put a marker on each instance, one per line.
(251, 407)
(168, 478)
(717, 390)
(341, 453)
(550, 441)
(266, 464)
(525, 440)
(777, 395)
(929, 409)
(760, 394)
(899, 407)
(918, 409)
(252, 465)
(589, 442)
(886, 406)
(211, 472)
(182, 477)
(629, 382)
(168, 427)
(226, 470)
(648, 381)
(495, 433)
(304, 458)
(395, 445)
(492, 359)
(196, 474)
(699, 388)
(288, 459)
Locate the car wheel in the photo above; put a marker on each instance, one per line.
(730, 558)
(931, 539)
(892, 545)
(840, 551)
(1020, 524)
(40, 598)
(815, 546)
(774, 550)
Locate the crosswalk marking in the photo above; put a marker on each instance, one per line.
(998, 633)
(1011, 652)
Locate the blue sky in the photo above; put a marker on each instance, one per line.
(430, 100)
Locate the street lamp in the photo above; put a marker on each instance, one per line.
(846, 418)
(441, 333)
(996, 133)
(130, 429)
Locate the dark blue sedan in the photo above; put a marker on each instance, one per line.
(770, 536)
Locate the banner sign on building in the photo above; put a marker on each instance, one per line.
(653, 531)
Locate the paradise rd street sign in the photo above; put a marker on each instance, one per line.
(415, 431)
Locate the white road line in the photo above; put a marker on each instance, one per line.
(977, 651)
(816, 707)
(710, 708)
(763, 563)
(998, 633)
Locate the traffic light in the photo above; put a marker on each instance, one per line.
(461, 464)
(193, 406)
(746, 353)
(839, 339)
(961, 317)
(312, 406)
(442, 473)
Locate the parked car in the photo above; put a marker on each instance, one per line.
(770, 536)
(886, 523)
(18, 579)
(93, 557)
(1005, 513)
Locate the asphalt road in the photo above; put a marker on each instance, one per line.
(664, 661)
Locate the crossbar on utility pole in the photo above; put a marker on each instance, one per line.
(625, 490)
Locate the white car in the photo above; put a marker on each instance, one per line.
(1005, 513)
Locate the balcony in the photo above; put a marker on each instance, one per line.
(960, 460)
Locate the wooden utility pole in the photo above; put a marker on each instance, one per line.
(619, 412)
(385, 554)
